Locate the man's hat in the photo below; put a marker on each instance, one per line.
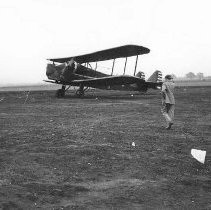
(168, 76)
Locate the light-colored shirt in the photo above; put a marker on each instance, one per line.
(168, 89)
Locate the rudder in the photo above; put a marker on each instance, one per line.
(156, 77)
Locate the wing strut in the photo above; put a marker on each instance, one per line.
(135, 65)
(96, 66)
(113, 67)
(125, 65)
(96, 69)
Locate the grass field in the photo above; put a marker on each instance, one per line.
(75, 153)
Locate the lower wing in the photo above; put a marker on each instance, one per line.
(107, 81)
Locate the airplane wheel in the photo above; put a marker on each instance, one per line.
(60, 93)
(80, 93)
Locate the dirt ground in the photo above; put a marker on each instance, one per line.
(108, 150)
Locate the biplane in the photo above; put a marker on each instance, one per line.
(77, 71)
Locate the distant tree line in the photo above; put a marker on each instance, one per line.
(191, 76)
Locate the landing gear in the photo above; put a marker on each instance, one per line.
(60, 93)
(80, 91)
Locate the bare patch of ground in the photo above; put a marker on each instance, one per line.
(75, 153)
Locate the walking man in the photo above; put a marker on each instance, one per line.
(168, 101)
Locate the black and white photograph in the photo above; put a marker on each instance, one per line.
(105, 104)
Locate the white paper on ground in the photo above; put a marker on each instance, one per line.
(199, 155)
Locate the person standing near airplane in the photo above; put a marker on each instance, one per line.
(168, 101)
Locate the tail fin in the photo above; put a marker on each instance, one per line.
(156, 77)
(155, 80)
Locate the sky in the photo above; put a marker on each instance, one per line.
(177, 32)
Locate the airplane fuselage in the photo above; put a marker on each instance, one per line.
(65, 74)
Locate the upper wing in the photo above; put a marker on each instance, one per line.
(107, 81)
(117, 52)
